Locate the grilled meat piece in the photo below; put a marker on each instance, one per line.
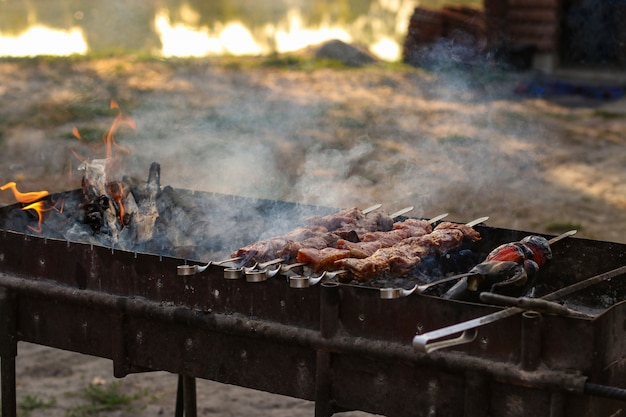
(372, 241)
(406, 254)
(359, 249)
(268, 249)
(320, 232)
(353, 219)
(321, 259)
(397, 260)
(320, 241)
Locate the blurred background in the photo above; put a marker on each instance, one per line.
(200, 28)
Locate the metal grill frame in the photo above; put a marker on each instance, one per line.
(310, 343)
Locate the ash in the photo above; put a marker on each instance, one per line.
(156, 220)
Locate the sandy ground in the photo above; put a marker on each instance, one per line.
(442, 141)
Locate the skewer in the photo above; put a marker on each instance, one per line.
(470, 274)
(562, 236)
(477, 221)
(264, 273)
(437, 218)
(371, 208)
(393, 293)
(299, 281)
(295, 283)
(236, 273)
(434, 340)
(401, 212)
(195, 269)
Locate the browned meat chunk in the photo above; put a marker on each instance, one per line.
(321, 259)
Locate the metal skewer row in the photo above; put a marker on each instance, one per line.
(260, 272)
(299, 281)
(236, 273)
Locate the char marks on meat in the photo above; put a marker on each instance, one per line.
(319, 232)
(321, 259)
(366, 245)
(406, 254)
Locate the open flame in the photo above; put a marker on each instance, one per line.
(96, 180)
(120, 120)
(32, 199)
(24, 197)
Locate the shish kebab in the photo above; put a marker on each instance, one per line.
(386, 251)
(509, 268)
(396, 251)
(319, 232)
(401, 257)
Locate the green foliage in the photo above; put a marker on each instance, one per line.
(607, 115)
(30, 403)
(104, 397)
(561, 227)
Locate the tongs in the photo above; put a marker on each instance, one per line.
(432, 341)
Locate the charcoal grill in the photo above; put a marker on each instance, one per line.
(339, 345)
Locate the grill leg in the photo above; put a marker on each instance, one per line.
(186, 397)
(9, 404)
(329, 322)
(8, 352)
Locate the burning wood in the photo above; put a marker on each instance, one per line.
(116, 208)
(99, 213)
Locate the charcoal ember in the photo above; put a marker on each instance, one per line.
(17, 219)
(181, 226)
(143, 199)
(95, 212)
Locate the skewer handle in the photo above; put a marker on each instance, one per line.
(562, 236)
(371, 208)
(477, 221)
(401, 212)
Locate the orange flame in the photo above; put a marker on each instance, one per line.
(76, 133)
(116, 191)
(119, 120)
(32, 204)
(39, 208)
(24, 197)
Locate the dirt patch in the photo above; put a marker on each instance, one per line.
(443, 141)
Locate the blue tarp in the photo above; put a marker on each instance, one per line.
(547, 89)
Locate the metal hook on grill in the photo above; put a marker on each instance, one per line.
(300, 281)
(393, 293)
(254, 273)
(260, 272)
(195, 269)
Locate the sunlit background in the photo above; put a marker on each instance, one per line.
(170, 28)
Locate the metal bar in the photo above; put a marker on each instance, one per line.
(180, 404)
(8, 352)
(531, 340)
(291, 335)
(476, 395)
(9, 402)
(428, 342)
(189, 396)
(329, 323)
